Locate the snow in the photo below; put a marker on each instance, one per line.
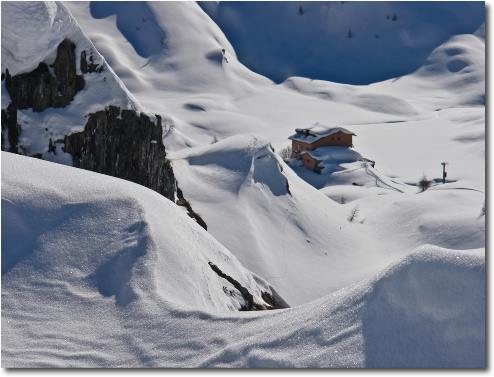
(335, 154)
(239, 186)
(401, 285)
(96, 282)
(45, 25)
(37, 40)
(271, 38)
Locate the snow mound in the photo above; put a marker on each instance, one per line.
(115, 241)
(25, 44)
(113, 275)
(428, 311)
(234, 163)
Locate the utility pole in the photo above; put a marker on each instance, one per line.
(444, 171)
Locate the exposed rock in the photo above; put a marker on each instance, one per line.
(9, 124)
(185, 203)
(251, 304)
(89, 67)
(39, 89)
(124, 145)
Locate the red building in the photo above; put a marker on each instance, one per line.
(316, 136)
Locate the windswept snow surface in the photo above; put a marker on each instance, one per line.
(304, 244)
(408, 125)
(146, 296)
(113, 275)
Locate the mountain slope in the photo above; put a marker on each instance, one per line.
(113, 236)
(213, 99)
(379, 274)
(301, 241)
(113, 275)
(62, 102)
(348, 42)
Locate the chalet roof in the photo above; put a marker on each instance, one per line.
(315, 132)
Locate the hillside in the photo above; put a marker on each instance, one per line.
(148, 105)
(113, 275)
(350, 42)
(213, 99)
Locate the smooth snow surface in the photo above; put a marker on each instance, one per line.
(353, 42)
(107, 273)
(113, 275)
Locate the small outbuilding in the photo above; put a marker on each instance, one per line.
(316, 136)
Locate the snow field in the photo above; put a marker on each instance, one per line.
(132, 267)
(98, 283)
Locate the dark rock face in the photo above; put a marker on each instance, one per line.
(124, 145)
(118, 143)
(185, 203)
(39, 89)
(268, 298)
(9, 123)
(89, 67)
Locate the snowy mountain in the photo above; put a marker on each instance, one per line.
(114, 275)
(72, 107)
(370, 271)
(350, 41)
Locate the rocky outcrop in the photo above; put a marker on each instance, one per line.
(270, 302)
(91, 66)
(185, 203)
(125, 145)
(11, 128)
(39, 89)
(115, 142)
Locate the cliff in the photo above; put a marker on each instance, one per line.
(122, 143)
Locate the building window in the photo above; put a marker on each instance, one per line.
(339, 138)
(332, 139)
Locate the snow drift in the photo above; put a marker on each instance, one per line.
(114, 275)
(110, 274)
(146, 238)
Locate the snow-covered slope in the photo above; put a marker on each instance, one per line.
(350, 42)
(303, 243)
(31, 33)
(407, 125)
(135, 268)
(113, 237)
(113, 275)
